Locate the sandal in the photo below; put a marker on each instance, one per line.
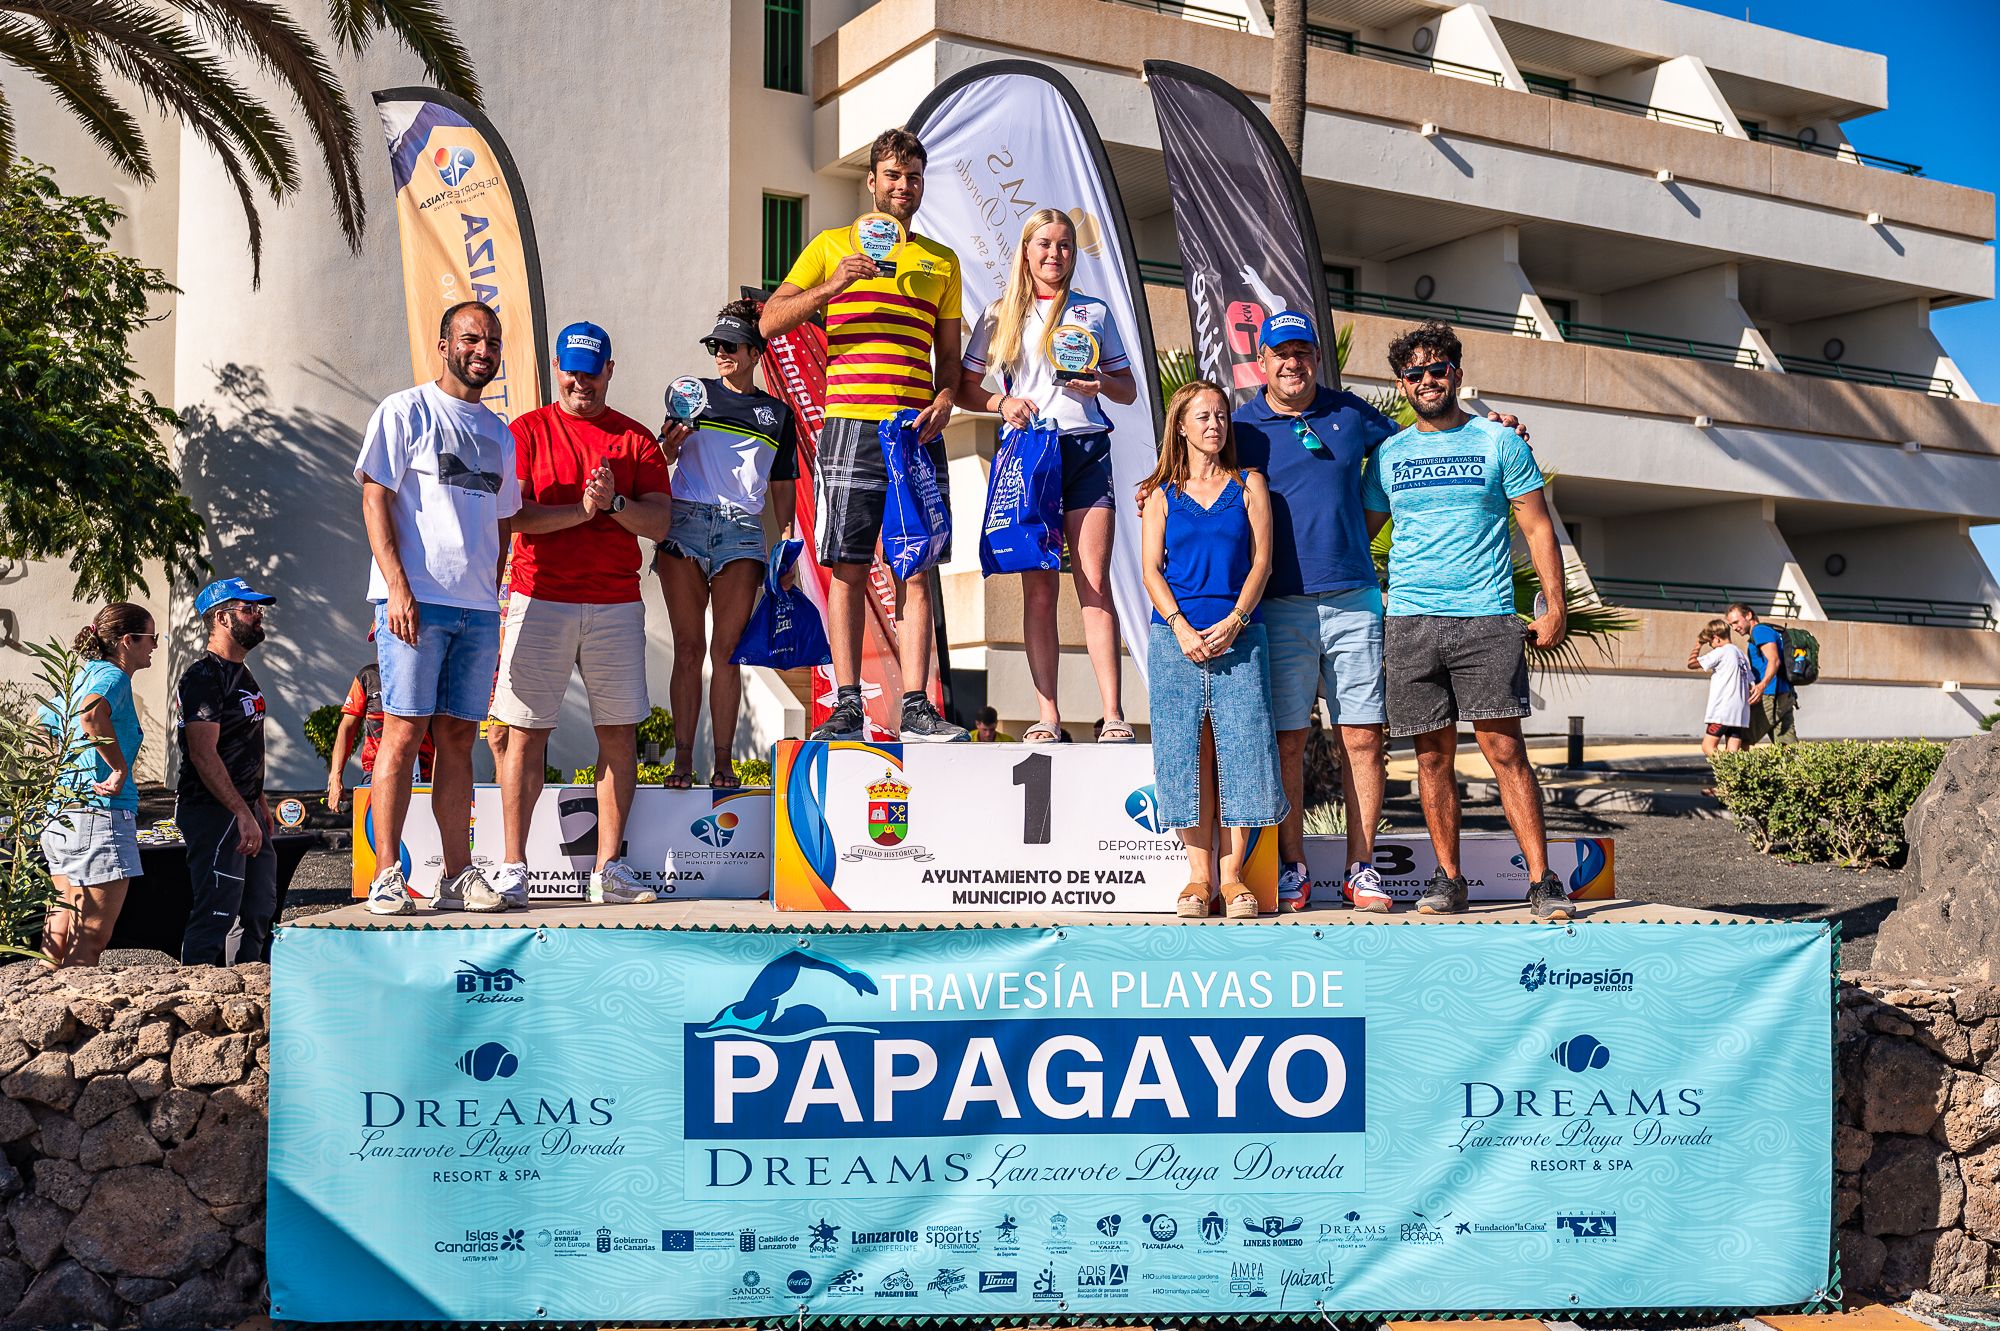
(724, 778)
(1242, 902)
(1043, 733)
(1192, 904)
(677, 780)
(1117, 732)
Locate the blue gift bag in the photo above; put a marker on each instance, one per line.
(784, 630)
(916, 524)
(1024, 514)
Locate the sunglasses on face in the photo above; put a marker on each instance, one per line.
(1440, 369)
(1305, 435)
(150, 637)
(716, 346)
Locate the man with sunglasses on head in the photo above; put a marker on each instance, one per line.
(1454, 648)
(1323, 606)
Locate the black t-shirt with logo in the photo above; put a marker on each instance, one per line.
(226, 693)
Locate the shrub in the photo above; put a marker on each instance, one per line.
(34, 763)
(1992, 718)
(320, 726)
(753, 771)
(1840, 802)
(749, 772)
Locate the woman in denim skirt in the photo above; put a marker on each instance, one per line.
(1207, 554)
(92, 843)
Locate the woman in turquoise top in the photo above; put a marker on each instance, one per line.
(92, 842)
(1206, 534)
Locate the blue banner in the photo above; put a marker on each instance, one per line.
(573, 1124)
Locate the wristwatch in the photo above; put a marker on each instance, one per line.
(617, 503)
(1244, 618)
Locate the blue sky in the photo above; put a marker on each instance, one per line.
(1944, 113)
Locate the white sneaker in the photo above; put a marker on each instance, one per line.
(1365, 892)
(389, 894)
(510, 882)
(469, 891)
(617, 884)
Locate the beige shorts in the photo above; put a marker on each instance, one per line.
(542, 641)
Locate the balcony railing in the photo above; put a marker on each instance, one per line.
(1869, 374)
(1659, 344)
(1464, 316)
(1620, 104)
(1713, 597)
(1909, 610)
(1215, 18)
(1840, 151)
(1332, 39)
(1162, 273)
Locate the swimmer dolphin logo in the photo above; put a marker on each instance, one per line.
(769, 1010)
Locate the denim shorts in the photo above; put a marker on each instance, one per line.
(91, 847)
(1329, 643)
(1444, 669)
(1086, 468)
(712, 535)
(451, 669)
(1233, 694)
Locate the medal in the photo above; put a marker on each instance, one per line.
(879, 236)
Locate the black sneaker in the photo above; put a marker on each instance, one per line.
(845, 722)
(1546, 898)
(1443, 895)
(923, 725)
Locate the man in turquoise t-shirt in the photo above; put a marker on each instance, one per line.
(1452, 646)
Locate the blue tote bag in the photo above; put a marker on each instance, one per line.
(1024, 515)
(784, 630)
(916, 524)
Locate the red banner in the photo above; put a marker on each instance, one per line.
(795, 370)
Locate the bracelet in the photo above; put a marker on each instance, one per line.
(1175, 615)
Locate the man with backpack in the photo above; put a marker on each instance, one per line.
(1773, 699)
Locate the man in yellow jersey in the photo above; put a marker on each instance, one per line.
(892, 343)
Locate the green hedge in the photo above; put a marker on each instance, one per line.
(1834, 802)
(749, 772)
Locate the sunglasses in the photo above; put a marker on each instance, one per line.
(154, 636)
(1440, 369)
(716, 346)
(1304, 434)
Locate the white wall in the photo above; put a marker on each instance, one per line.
(1702, 305)
(1483, 271)
(1930, 558)
(1682, 84)
(1889, 337)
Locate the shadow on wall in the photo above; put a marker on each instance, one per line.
(277, 490)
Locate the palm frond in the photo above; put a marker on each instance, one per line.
(268, 36)
(1178, 368)
(78, 84)
(422, 28)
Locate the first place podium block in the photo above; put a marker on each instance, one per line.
(957, 827)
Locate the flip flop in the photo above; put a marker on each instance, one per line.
(1043, 733)
(724, 778)
(678, 780)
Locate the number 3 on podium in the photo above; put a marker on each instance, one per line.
(1032, 773)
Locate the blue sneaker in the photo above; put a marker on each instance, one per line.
(1295, 886)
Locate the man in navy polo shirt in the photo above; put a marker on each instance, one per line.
(1323, 605)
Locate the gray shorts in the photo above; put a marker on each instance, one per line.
(1443, 669)
(850, 484)
(91, 847)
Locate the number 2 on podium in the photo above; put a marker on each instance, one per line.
(1032, 773)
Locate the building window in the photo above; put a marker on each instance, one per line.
(1561, 310)
(1339, 277)
(785, 45)
(784, 236)
(1548, 85)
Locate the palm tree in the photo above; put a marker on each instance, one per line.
(1288, 75)
(176, 53)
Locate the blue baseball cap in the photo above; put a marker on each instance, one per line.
(583, 348)
(228, 589)
(1287, 326)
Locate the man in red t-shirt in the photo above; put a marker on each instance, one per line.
(592, 483)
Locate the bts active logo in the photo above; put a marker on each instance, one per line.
(453, 164)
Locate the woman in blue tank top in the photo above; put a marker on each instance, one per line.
(1207, 555)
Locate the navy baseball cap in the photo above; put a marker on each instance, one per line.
(228, 589)
(583, 348)
(1287, 326)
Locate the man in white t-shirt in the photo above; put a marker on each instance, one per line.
(438, 492)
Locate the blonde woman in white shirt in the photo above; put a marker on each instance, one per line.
(1007, 370)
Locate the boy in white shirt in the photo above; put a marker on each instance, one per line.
(1728, 670)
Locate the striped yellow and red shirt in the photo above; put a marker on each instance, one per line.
(879, 332)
